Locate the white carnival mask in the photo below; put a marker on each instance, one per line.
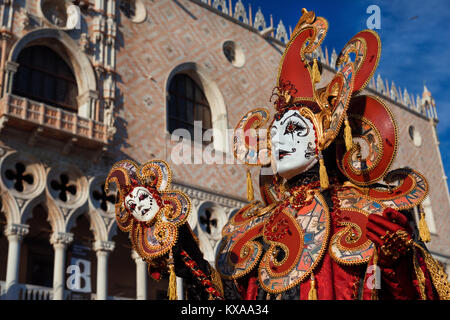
(293, 144)
(141, 204)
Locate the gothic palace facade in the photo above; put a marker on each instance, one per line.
(84, 84)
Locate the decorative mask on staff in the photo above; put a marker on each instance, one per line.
(308, 118)
(149, 210)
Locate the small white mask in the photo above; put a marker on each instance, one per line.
(293, 144)
(141, 204)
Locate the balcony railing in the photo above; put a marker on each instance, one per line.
(33, 292)
(28, 292)
(26, 114)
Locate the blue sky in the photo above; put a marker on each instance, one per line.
(415, 37)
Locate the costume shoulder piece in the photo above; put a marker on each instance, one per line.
(349, 244)
(300, 228)
(367, 161)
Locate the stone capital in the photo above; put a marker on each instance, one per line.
(87, 96)
(103, 246)
(19, 230)
(5, 35)
(11, 66)
(61, 238)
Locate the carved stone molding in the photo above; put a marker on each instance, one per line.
(220, 5)
(239, 12)
(108, 220)
(22, 175)
(26, 20)
(68, 187)
(101, 201)
(259, 22)
(282, 33)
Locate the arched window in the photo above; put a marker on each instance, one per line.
(187, 103)
(45, 77)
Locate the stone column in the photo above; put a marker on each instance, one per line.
(10, 70)
(141, 276)
(4, 37)
(102, 249)
(60, 241)
(15, 234)
(87, 102)
(180, 289)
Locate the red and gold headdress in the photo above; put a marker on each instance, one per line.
(367, 155)
(153, 239)
(156, 176)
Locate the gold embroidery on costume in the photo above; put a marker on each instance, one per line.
(437, 273)
(419, 275)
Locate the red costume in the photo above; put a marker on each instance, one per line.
(332, 231)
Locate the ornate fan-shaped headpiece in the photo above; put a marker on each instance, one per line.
(365, 158)
(154, 238)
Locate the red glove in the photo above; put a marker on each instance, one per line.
(390, 234)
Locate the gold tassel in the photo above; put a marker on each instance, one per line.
(348, 135)
(324, 183)
(312, 294)
(172, 292)
(250, 195)
(315, 73)
(216, 280)
(424, 232)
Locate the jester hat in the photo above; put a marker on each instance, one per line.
(154, 238)
(368, 144)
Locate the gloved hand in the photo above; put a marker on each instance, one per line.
(391, 235)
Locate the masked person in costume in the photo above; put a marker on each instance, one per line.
(155, 218)
(334, 222)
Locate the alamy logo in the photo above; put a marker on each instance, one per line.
(80, 275)
(373, 280)
(374, 20)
